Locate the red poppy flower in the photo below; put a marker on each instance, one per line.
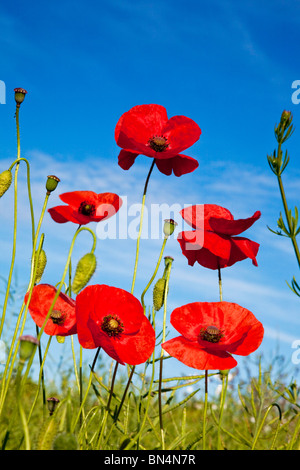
(62, 320)
(212, 243)
(113, 319)
(85, 206)
(146, 130)
(211, 332)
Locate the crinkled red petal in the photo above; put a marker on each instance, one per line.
(138, 125)
(181, 133)
(76, 198)
(233, 227)
(190, 354)
(179, 165)
(199, 215)
(126, 159)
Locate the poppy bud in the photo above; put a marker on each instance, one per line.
(169, 227)
(5, 181)
(52, 403)
(65, 441)
(224, 373)
(84, 271)
(159, 294)
(27, 346)
(52, 183)
(19, 95)
(41, 264)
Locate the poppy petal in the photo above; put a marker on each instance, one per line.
(138, 125)
(199, 215)
(179, 165)
(190, 354)
(76, 198)
(108, 205)
(126, 159)
(243, 248)
(136, 349)
(233, 227)
(181, 132)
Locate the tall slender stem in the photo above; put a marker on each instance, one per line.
(14, 247)
(220, 283)
(162, 433)
(141, 226)
(286, 210)
(155, 271)
(205, 412)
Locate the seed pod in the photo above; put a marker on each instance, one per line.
(84, 271)
(20, 94)
(5, 181)
(159, 294)
(41, 264)
(65, 441)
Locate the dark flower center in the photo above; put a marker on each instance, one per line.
(87, 209)
(112, 325)
(57, 317)
(158, 143)
(211, 333)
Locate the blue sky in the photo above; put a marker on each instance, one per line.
(228, 65)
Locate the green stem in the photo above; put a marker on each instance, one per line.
(220, 283)
(107, 410)
(162, 433)
(155, 271)
(4, 386)
(222, 402)
(14, 247)
(41, 369)
(286, 210)
(205, 412)
(141, 225)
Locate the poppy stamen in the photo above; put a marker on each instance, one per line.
(87, 209)
(211, 333)
(112, 325)
(57, 317)
(158, 143)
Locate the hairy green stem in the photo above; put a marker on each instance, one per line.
(141, 226)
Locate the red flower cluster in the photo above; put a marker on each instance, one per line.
(214, 243)
(113, 319)
(146, 130)
(211, 333)
(85, 206)
(102, 316)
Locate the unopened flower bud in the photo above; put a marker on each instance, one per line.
(52, 182)
(169, 227)
(285, 116)
(41, 264)
(159, 294)
(84, 271)
(19, 95)
(224, 373)
(5, 181)
(28, 344)
(65, 441)
(52, 403)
